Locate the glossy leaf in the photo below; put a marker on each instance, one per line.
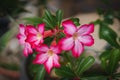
(33, 20)
(6, 37)
(65, 71)
(8, 66)
(48, 24)
(95, 78)
(108, 34)
(114, 59)
(48, 40)
(104, 57)
(98, 21)
(48, 15)
(49, 19)
(108, 17)
(76, 21)
(85, 64)
(59, 15)
(40, 73)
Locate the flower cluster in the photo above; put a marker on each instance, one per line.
(75, 39)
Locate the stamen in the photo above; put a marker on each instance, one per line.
(75, 36)
(50, 52)
(39, 35)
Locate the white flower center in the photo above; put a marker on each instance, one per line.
(39, 36)
(50, 52)
(75, 35)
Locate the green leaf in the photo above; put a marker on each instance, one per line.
(48, 15)
(40, 73)
(114, 59)
(117, 75)
(48, 40)
(76, 21)
(65, 71)
(108, 34)
(33, 20)
(65, 79)
(49, 19)
(59, 15)
(98, 21)
(5, 38)
(104, 57)
(48, 24)
(95, 78)
(9, 66)
(100, 11)
(108, 17)
(85, 64)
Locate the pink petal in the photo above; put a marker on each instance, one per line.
(41, 28)
(56, 61)
(37, 42)
(22, 29)
(43, 48)
(86, 40)
(31, 29)
(56, 49)
(77, 49)
(86, 29)
(67, 43)
(31, 38)
(21, 38)
(49, 64)
(40, 58)
(27, 49)
(69, 27)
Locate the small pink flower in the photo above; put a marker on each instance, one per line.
(48, 56)
(76, 37)
(35, 36)
(22, 37)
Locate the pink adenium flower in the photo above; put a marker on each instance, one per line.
(22, 40)
(48, 56)
(35, 36)
(76, 37)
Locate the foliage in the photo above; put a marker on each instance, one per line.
(11, 7)
(79, 68)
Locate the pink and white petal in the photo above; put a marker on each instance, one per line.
(86, 40)
(56, 61)
(38, 42)
(22, 29)
(40, 58)
(31, 29)
(77, 49)
(31, 38)
(27, 49)
(21, 38)
(41, 28)
(55, 49)
(69, 27)
(28, 46)
(49, 64)
(86, 29)
(42, 48)
(25, 52)
(67, 43)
